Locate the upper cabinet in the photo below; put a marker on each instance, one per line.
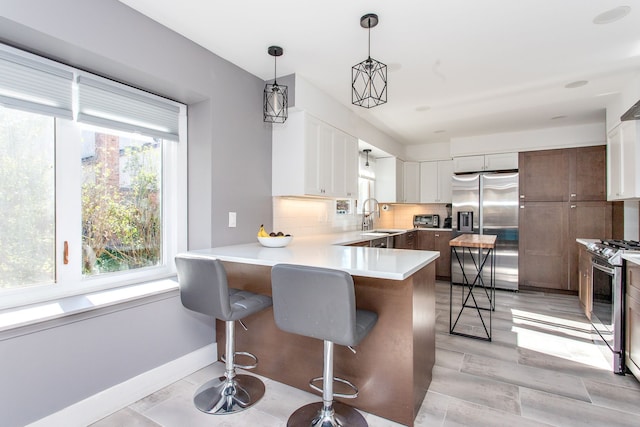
(563, 175)
(310, 157)
(435, 181)
(589, 181)
(485, 163)
(390, 180)
(411, 182)
(623, 161)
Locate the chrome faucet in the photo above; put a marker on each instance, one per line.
(367, 218)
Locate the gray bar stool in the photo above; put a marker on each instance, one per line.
(204, 289)
(320, 303)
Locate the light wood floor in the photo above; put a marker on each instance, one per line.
(541, 368)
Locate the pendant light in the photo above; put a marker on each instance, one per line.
(369, 78)
(275, 99)
(367, 151)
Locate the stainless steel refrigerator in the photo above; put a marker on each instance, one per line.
(487, 203)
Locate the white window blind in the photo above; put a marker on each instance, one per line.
(102, 102)
(34, 84)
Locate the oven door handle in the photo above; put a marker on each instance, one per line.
(604, 269)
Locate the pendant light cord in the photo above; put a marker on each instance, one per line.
(275, 75)
(369, 27)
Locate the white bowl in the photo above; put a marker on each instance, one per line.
(275, 242)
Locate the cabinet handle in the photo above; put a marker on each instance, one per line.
(573, 195)
(522, 196)
(437, 235)
(65, 254)
(573, 206)
(521, 206)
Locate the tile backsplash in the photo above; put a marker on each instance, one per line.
(400, 215)
(308, 216)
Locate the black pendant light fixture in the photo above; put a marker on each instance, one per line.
(275, 99)
(367, 151)
(369, 78)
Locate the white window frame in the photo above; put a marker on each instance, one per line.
(69, 280)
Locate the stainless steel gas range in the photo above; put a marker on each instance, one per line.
(607, 292)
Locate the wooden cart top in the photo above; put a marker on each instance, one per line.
(484, 241)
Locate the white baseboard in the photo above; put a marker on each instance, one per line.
(106, 402)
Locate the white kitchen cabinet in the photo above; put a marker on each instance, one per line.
(623, 161)
(485, 163)
(310, 157)
(350, 152)
(411, 182)
(389, 180)
(435, 181)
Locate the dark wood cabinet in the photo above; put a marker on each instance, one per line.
(549, 256)
(426, 240)
(562, 197)
(632, 313)
(584, 279)
(443, 263)
(543, 255)
(405, 240)
(432, 240)
(589, 181)
(544, 175)
(568, 174)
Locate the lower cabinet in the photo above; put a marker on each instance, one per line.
(544, 240)
(632, 341)
(432, 240)
(588, 220)
(548, 254)
(584, 279)
(405, 240)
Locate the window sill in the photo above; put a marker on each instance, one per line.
(15, 318)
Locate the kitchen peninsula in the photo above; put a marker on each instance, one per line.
(392, 366)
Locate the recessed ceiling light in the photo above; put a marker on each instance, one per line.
(577, 83)
(558, 117)
(612, 15)
(423, 108)
(439, 131)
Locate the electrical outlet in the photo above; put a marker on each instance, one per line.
(232, 219)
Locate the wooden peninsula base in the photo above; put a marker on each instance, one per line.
(392, 366)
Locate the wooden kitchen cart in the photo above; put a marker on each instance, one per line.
(474, 291)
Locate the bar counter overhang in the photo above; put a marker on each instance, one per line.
(391, 367)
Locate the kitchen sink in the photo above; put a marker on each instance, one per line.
(375, 233)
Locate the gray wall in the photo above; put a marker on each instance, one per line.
(229, 170)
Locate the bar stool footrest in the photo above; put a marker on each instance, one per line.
(242, 353)
(340, 380)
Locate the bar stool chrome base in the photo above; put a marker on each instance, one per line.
(317, 415)
(224, 395)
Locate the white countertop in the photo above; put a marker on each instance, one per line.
(634, 258)
(326, 251)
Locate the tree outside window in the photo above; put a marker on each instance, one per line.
(121, 209)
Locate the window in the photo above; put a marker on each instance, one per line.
(27, 199)
(92, 181)
(121, 215)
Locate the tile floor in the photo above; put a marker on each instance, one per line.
(540, 369)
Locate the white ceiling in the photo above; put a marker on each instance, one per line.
(456, 67)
